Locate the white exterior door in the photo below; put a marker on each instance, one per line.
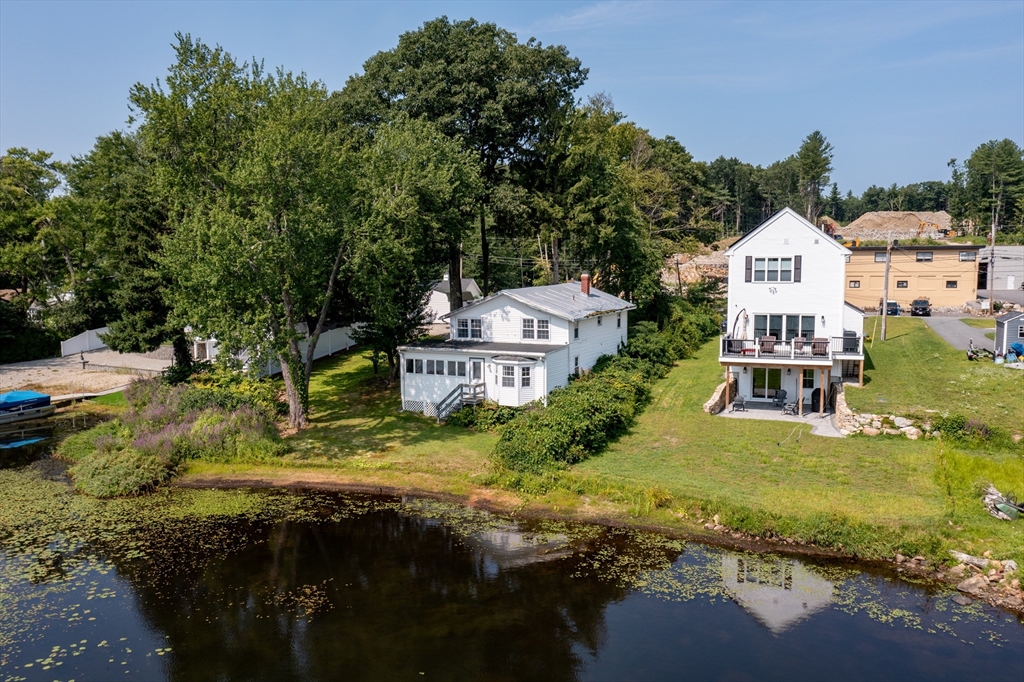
(1011, 281)
(508, 385)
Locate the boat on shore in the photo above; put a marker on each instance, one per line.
(20, 406)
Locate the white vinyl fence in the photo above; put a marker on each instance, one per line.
(89, 340)
(330, 342)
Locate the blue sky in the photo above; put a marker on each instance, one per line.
(898, 88)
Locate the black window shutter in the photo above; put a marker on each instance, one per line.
(749, 277)
(797, 263)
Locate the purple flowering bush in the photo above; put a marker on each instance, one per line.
(164, 426)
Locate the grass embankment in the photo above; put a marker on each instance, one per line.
(979, 322)
(915, 371)
(869, 496)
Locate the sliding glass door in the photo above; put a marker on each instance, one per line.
(767, 380)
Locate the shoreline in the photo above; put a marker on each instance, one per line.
(505, 502)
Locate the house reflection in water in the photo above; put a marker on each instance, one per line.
(508, 547)
(778, 592)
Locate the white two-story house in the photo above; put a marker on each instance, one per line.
(788, 325)
(513, 347)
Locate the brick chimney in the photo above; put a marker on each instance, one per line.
(585, 284)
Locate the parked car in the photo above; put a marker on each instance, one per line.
(921, 306)
(892, 309)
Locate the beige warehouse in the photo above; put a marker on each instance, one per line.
(947, 275)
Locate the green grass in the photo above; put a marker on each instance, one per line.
(357, 424)
(869, 496)
(872, 495)
(915, 372)
(979, 322)
(110, 399)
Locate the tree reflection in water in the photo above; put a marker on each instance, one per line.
(385, 595)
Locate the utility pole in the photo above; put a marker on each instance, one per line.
(679, 279)
(885, 285)
(991, 266)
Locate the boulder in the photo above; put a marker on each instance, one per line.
(962, 600)
(891, 432)
(911, 432)
(902, 422)
(975, 585)
(870, 431)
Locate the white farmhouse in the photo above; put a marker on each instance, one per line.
(788, 326)
(513, 347)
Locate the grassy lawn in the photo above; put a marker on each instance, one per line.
(915, 372)
(888, 490)
(110, 399)
(979, 322)
(357, 430)
(868, 495)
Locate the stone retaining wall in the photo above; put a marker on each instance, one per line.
(717, 402)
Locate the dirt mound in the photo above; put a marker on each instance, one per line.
(901, 225)
(693, 269)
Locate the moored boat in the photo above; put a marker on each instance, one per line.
(19, 406)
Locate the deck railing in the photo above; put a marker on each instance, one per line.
(463, 394)
(819, 348)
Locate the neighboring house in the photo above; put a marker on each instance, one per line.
(788, 325)
(1007, 269)
(438, 303)
(1009, 329)
(947, 275)
(331, 341)
(513, 347)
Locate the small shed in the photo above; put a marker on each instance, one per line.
(1009, 329)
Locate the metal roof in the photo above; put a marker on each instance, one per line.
(461, 346)
(562, 300)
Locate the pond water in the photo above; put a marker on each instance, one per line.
(265, 585)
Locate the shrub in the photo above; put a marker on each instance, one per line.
(578, 421)
(957, 427)
(488, 416)
(113, 472)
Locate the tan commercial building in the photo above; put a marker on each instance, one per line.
(946, 275)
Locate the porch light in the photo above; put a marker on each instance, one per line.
(822, 320)
(744, 370)
(788, 371)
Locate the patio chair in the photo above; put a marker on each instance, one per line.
(799, 345)
(767, 345)
(819, 346)
(789, 408)
(739, 404)
(780, 398)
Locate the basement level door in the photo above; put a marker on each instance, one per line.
(767, 380)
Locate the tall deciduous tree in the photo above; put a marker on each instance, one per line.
(478, 83)
(116, 180)
(814, 164)
(258, 184)
(414, 197)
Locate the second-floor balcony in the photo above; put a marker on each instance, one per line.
(824, 348)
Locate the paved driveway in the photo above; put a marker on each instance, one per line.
(958, 334)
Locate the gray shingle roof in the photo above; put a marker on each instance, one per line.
(1006, 317)
(563, 300)
(481, 346)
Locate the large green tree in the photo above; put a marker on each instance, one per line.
(995, 182)
(414, 197)
(502, 98)
(257, 181)
(116, 180)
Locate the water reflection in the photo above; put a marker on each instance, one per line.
(361, 588)
(779, 592)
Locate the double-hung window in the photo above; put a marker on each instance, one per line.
(527, 328)
(476, 329)
(419, 367)
(543, 330)
(508, 376)
(881, 256)
(524, 377)
(773, 269)
(924, 256)
(463, 329)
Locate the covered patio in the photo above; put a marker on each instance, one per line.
(821, 424)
